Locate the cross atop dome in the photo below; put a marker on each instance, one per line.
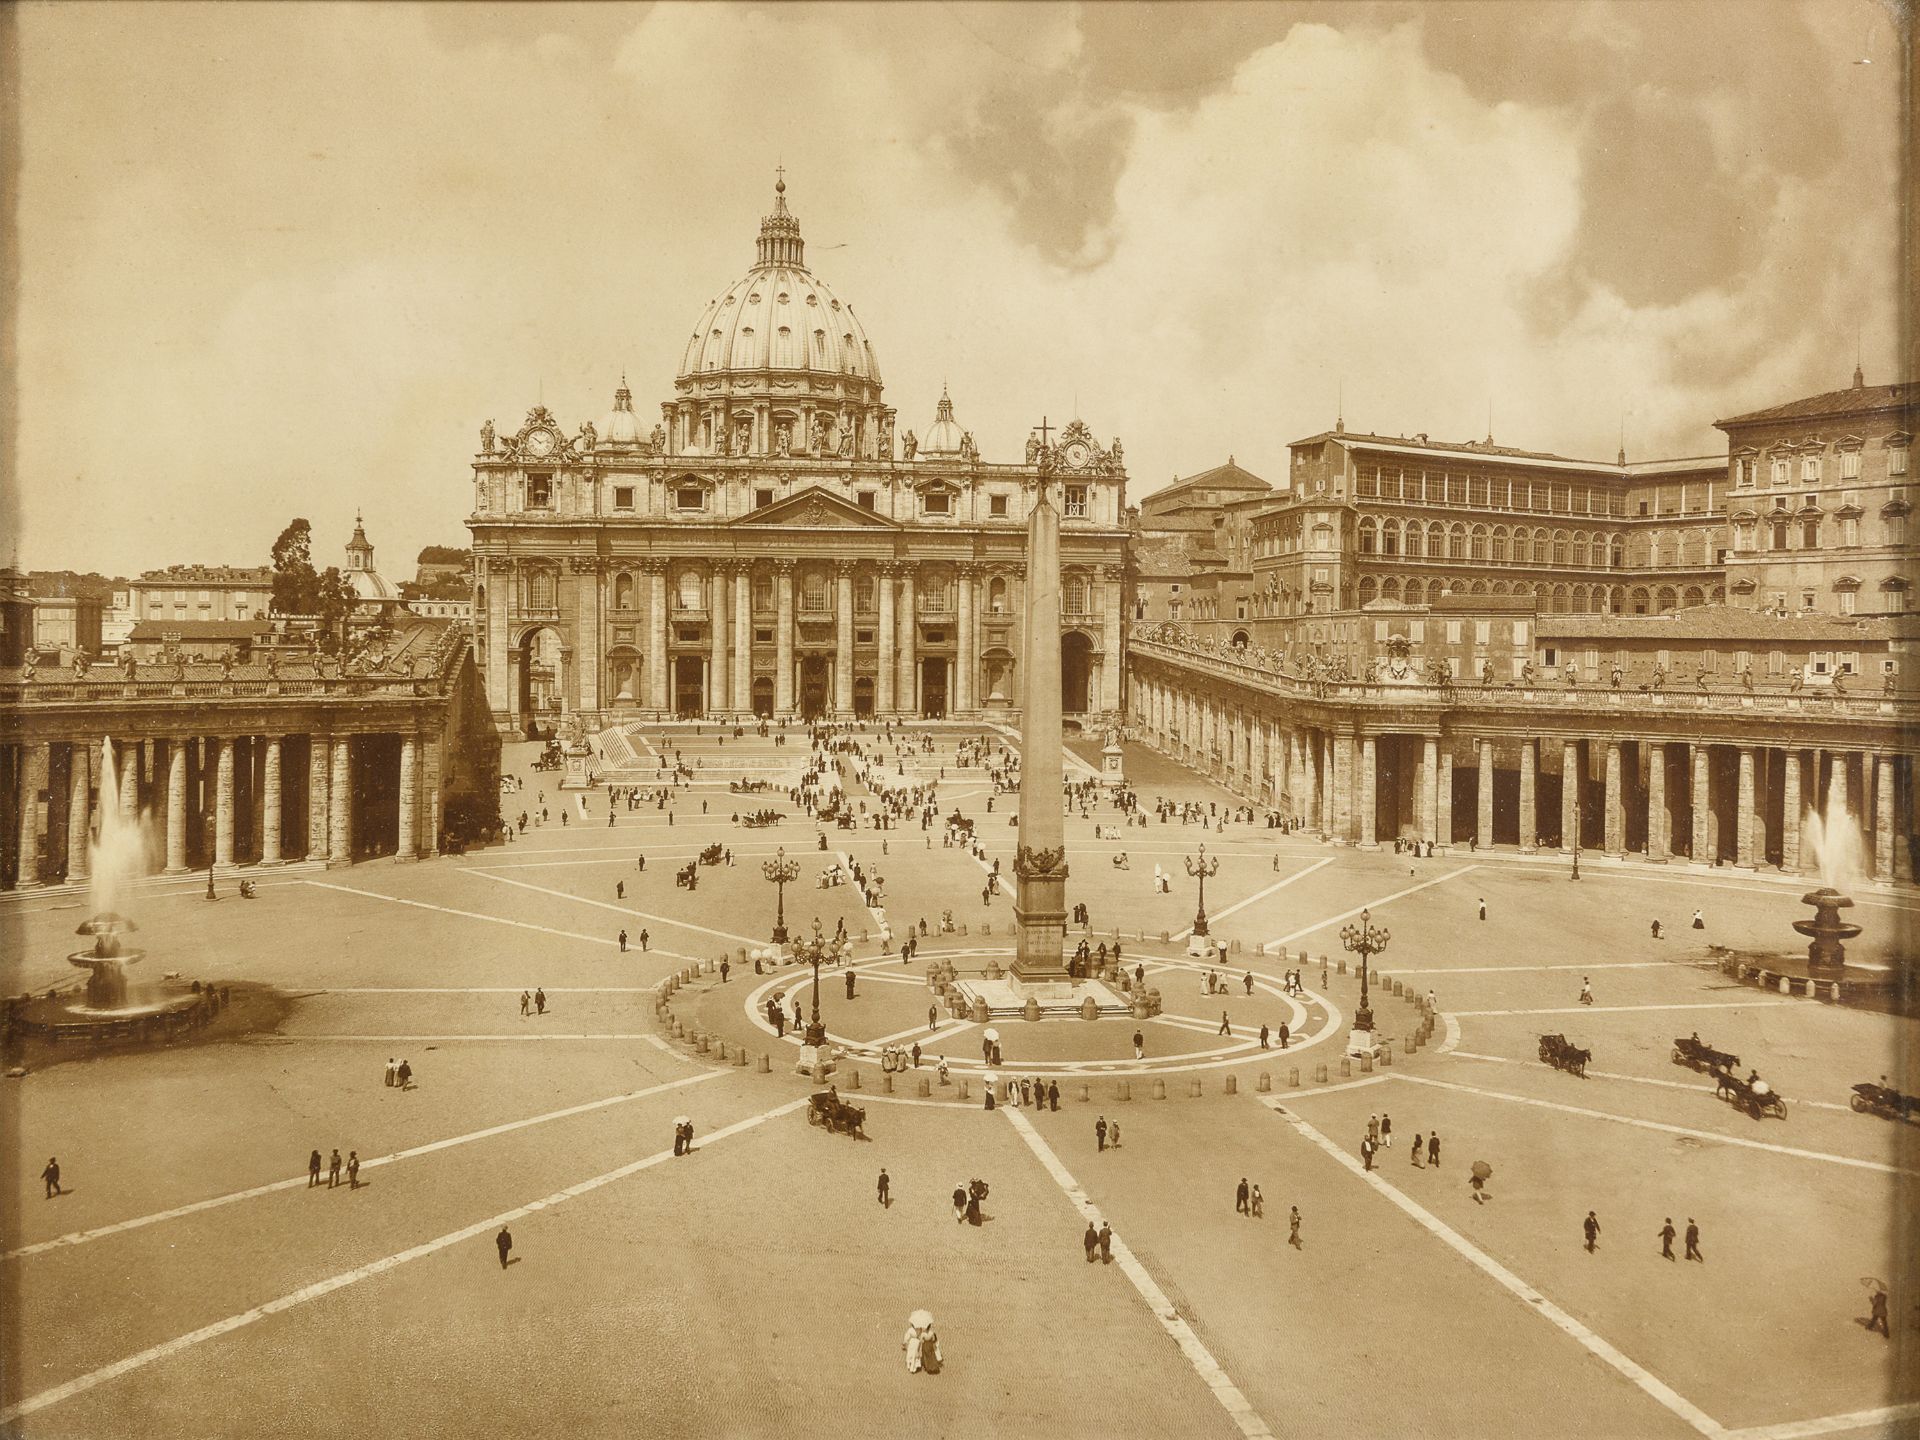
(780, 242)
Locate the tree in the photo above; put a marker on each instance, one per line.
(333, 603)
(295, 585)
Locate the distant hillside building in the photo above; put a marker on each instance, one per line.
(203, 592)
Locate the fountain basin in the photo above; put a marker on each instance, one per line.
(1827, 953)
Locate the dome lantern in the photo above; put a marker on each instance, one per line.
(780, 242)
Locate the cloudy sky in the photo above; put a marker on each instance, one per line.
(280, 260)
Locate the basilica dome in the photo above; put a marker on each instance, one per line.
(779, 316)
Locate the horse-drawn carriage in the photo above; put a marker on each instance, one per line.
(1889, 1104)
(1696, 1054)
(749, 787)
(826, 1108)
(1753, 1095)
(761, 819)
(713, 854)
(1563, 1054)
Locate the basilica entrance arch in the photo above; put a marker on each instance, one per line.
(816, 683)
(863, 697)
(1076, 673)
(623, 676)
(763, 696)
(542, 663)
(933, 687)
(689, 685)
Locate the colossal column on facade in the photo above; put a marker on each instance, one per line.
(1744, 817)
(909, 680)
(1791, 810)
(843, 636)
(270, 808)
(656, 572)
(743, 639)
(223, 803)
(1430, 788)
(1616, 816)
(1343, 788)
(1483, 817)
(887, 661)
(783, 637)
(319, 773)
(717, 670)
(79, 796)
(968, 652)
(176, 806)
(1443, 800)
(1883, 828)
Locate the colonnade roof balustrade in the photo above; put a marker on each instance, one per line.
(1857, 720)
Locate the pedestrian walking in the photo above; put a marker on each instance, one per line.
(404, 1075)
(1667, 1232)
(1263, 1036)
(1591, 1227)
(1693, 1242)
(1293, 1227)
(1100, 1132)
(1139, 1046)
(619, 886)
(393, 1067)
(503, 1242)
(1106, 1243)
(1386, 1131)
(916, 1054)
(1483, 908)
(933, 1017)
(1053, 1098)
(1416, 1151)
(1373, 1128)
(313, 1169)
(1113, 1135)
(540, 1001)
(1366, 1153)
(1259, 1205)
(1225, 1028)
(1249, 982)
(644, 938)
(526, 1002)
(51, 1175)
(884, 1185)
(333, 1169)
(1240, 1197)
(353, 1169)
(1433, 1150)
(1586, 990)
(623, 942)
(725, 965)
(1091, 1242)
(1699, 921)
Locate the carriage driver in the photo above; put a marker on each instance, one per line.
(1757, 1085)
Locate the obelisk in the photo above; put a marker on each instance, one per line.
(1040, 864)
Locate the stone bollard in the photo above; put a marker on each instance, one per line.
(924, 1088)
(1089, 1009)
(1159, 1089)
(1346, 1066)
(1193, 1089)
(1319, 1074)
(723, 1052)
(819, 1073)
(1126, 1090)
(1086, 1092)
(1343, 968)
(1233, 947)
(1386, 1054)
(703, 1043)
(1293, 1078)
(963, 1089)
(1233, 1085)
(740, 1057)
(1030, 1010)
(1366, 1064)
(986, 927)
(766, 1063)
(1164, 937)
(1264, 1084)
(886, 1082)
(853, 1077)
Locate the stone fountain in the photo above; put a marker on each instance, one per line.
(1827, 955)
(106, 962)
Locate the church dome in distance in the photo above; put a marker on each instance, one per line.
(620, 426)
(944, 436)
(779, 316)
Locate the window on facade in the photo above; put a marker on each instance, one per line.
(1849, 662)
(540, 590)
(864, 592)
(1416, 540)
(1366, 537)
(1779, 534)
(1456, 489)
(1846, 602)
(1074, 596)
(690, 591)
(813, 591)
(1076, 502)
(865, 498)
(539, 491)
(997, 506)
(1478, 546)
(763, 592)
(1896, 528)
(1810, 468)
(936, 502)
(690, 497)
(623, 497)
(623, 592)
(1896, 459)
(1806, 599)
(762, 498)
(1367, 481)
(1477, 491)
(1810, 534)
(1780, 470)
(1849, 464)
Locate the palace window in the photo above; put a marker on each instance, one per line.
(866, 499)
(813, 591)
(1780, 470)
(691, 591)
(1810, 469)
(539, 491)
(1897, 459)
(623, 497)
(763, 592)
(1778, 536)
(1809, 534)
(936, 502)
(1076, 502)
(1743, 475)
(864, 592)
(997, 507)
(690, 497)
(540, 590)
(762, 498)
(1849, 464)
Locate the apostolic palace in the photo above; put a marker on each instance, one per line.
(772, 546)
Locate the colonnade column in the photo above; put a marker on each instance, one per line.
(1744, 818)
(33, 779)
(1615, 836)
(176, 806)
(1883, 832)
(79, 796)
(1426, 801)
(319, 770)
(657, 696)
(1790, 804)
(717, 670)
(743, 639)
(127, 759)
(1836, 788)
(1659, 823)
(969, 662)
(843, 636)
(270, 807)
(783, 637)
(223, 803)
(1529, 807)
(1368, 760)
(909, 682)
(1483, 820)
(1443, 798)
(1704, 841)
(884, 688)
(340, 803)
(1342, 787)
(406, 847)
(1324, 779)
(1569, 795)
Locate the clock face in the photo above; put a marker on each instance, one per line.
(540, 442)
(1078, 454)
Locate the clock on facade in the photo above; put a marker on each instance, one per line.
(1077, 454)
(540, 442)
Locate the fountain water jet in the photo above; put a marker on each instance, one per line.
(115, 853)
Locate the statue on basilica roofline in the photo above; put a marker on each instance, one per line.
(968, 450)
(846, 440)
(486, 438)
(1033, 449)
(886, 437)
(817, 434)
(1116, 454)
(911, 445)
(659, 439)
(589, 437)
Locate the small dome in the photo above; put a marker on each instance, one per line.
(779, 316)
(944, 436)
(371, 585)
(619, 426)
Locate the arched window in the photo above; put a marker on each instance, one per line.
(1561, 598)
(1693, 595)
(541, 588)
(1667, 600)
(1390, 588)
(1416, 592)
(1368, 591)
(997, 596)
(1479, 587)
(623, 591)
(1639, 600)
(1389, 537)
(1074, 596)
(1559, 547)
(1416, 540)
(1478, 548)
(1539, 547)
(691, 591)
(1367, 536)
(1457, 542)
(1499, 551)
(1579, 555)
(1695, 552)
(1581, 601)
(813, 590)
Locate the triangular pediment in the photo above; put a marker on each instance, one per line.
(816, 508)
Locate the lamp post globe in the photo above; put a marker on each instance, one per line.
(782, 872)
(1365, 940)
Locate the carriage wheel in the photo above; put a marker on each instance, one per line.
(1678, 1058)
(1858, 1102)
(813, 1117)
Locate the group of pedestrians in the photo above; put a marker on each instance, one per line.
(536, 1002)
(1666, 1235)
(334, 1166)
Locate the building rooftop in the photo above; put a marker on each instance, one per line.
(1728, 622)
(213, 574)
(1857, 399)
(200, 629)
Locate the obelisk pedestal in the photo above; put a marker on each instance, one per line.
(1040, 864)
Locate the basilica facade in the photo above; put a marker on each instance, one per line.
(771, 545)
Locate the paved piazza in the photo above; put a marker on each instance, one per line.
(190, 1283)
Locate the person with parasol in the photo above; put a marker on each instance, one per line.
(1477, 1182)
(922, 1344)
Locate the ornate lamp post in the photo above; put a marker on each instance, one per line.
(812, 951)
(1365, 940)
(783, 872)
(1200, 869)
